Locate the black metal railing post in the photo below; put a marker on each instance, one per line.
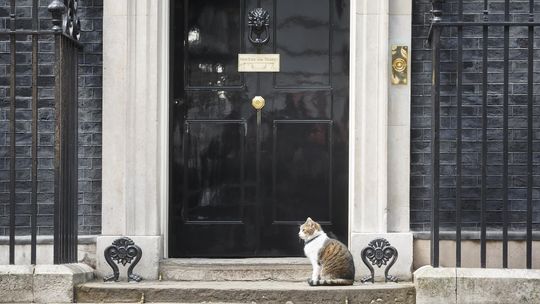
(435, 129)
(506, 69)
(35, 71)
(530, 135)
(483, 178)
(459, 131)
(65, 159)
(57, 9)
(12, 134)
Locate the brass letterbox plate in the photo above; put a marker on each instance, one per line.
(258, 62)
(400, 57)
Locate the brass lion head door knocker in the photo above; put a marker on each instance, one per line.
(259, 22)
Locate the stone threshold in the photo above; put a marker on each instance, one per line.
(242, 269)
(235, 261)
(243, 292)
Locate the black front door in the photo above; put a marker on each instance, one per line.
(243, 179)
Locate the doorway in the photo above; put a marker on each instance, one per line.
(243, 177)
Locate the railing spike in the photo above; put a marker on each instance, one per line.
(57, 9)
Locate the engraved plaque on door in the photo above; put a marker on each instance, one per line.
(258, 62)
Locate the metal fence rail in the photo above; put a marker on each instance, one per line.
(459, 26)
(65, 32)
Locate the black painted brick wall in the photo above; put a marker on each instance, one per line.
(472, 132)
(90, 83)
(90, 113)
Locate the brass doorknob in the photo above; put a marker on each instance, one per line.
(257, 102)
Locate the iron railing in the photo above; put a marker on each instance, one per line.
(65, 32)
(457, 26)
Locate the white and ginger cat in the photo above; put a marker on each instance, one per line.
(331, 260)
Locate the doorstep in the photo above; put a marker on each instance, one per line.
(260, 292)
(244, 269)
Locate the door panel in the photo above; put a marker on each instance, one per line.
(214, 34)
(214, 188)
(302, 38)
(302, 170)
(302, 104)
(242, 179)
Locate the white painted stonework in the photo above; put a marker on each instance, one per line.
(135, 129)
(379, 133)
(399, 123)
(135, 111)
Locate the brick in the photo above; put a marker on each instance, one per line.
(472, 111)
(90, 86)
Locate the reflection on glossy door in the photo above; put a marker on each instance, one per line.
(243, 178)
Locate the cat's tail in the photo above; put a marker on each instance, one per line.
(331, 282)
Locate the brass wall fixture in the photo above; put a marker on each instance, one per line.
(257, 102)
(400, 58)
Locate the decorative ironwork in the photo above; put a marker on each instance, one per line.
(436, 17)
(65, 18)
(123, 251)
(57, 9)
(72, 23)
(65, 92)
(258, 22)
(379, 252)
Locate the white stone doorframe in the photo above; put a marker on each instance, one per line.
(136, 139)
(379, 140)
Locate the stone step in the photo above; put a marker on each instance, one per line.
(259, 292)
(138, 302)
(250, 269)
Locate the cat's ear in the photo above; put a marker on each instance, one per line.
(309, 220)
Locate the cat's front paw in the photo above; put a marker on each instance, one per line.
(311, 282)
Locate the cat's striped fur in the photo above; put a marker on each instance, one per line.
(331, 260)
